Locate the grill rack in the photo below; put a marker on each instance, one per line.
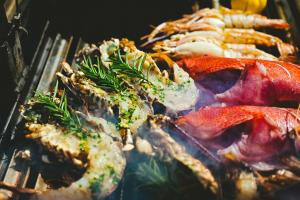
(50, 51)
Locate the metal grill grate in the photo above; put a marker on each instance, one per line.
(49, 53)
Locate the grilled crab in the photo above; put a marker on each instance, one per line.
(130, 110)
(91, 146)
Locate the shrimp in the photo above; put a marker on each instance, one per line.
(104, 168)
(234, 18)
(213, 19)
(234, 36)
(238, 19)
(250, 36)
(184, 24)
(203, 46)
(169, 28)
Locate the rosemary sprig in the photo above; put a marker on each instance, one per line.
(122, 66)
(153, 174)
(102, 76)
(166, 180)
(59, 111)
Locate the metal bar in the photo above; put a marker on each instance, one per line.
(9, 119)
(14, 174)
(6, 156)
(67, 48)
(54, 59)
(81, 44)
(28, 69)
(40, 67)
(39, 59)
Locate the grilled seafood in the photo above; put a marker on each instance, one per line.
(213, 19)
(55, 128)
(147, 78)
(261, 82)
(154, 140)
(124, 86)
(266, 135)
(118, 86)
(105, 162)
(131, 113)
(203, 46)
(250, 36)
(238, 19)
(180, 90)
(175, 95)
(238, 43)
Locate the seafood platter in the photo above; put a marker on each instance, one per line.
(204, 106)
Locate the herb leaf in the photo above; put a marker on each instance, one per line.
(151, 173)
(102, 76)
(59, 112)
(121, 66)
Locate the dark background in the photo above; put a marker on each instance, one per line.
(95, 20)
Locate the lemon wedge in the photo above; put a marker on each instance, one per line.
(249, 6)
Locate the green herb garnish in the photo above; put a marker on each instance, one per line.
(58, 110)
(102, 76)
(166, 180)
(122, 66)
(153, 174)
